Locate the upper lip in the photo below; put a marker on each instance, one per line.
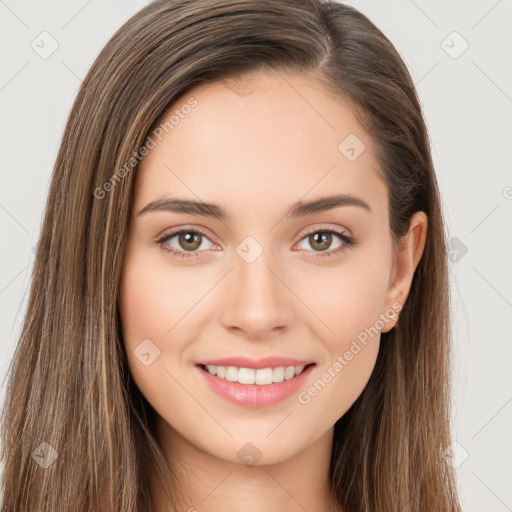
(265, 362)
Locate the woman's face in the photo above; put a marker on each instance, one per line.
(264, 277)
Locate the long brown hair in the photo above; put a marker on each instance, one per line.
(76, 433)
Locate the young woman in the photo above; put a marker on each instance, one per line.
(243, 205)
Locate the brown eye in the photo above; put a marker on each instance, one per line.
(189, 240)
(185, 243)
(320, 240)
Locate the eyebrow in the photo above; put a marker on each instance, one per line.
(298, 209)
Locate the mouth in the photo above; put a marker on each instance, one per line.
(258, 377)
(254, 387)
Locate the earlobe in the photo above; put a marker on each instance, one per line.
(408, 256)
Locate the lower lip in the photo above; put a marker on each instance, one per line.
(254, 395)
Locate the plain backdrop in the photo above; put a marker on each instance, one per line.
(459, 55)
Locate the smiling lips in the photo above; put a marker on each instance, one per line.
(254, 382)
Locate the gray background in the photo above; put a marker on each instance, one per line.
(466, 94)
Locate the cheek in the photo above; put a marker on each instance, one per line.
(350, 298)
(142, 304)
(153, 299)
(144, 307)
(349, 301)
(150, 307)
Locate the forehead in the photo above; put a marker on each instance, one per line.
(266, 137)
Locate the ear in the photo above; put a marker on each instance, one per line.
(408, 255)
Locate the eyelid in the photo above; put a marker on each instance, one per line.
(187, 228)
(338, 229)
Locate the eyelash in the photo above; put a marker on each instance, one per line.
(348, 241)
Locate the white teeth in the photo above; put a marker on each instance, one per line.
(262, 376)
(279, 374)
(212, 369)
(231, 373)
(246, 376)
(298, 369)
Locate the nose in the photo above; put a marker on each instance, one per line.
(257, 299)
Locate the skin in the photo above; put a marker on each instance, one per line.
(255, 147)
